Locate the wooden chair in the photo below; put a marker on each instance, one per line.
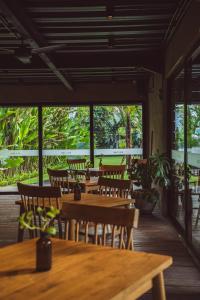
(114, 187)
(121, 220)
(113, 171)
(59, 178)
(35, 196)
(76, 164)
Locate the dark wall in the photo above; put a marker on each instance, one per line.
(87, 93)
(184, 39)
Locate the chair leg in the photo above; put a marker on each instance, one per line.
(60, 228)
(20, 235)
(31, 234)
(66, 230)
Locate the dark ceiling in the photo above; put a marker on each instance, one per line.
(119, 40)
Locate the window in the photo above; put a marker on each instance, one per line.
(117, 133)
(18, 146)
(66, 134)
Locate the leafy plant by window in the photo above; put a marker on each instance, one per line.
(155, 169)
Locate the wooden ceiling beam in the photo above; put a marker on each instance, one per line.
(24, 25)
(152, 60)
(74, 3)
(148, 59)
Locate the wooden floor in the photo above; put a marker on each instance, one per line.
(155, 234)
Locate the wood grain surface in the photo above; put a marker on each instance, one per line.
(80, 271)
(92, 199)
(97, 200)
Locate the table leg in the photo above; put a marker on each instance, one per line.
(20, 235)
(159, 287)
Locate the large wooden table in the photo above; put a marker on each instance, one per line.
(92, 171)
(87, 185)
(96, 200)
(81, 271)
(86, 199)
(89, 199)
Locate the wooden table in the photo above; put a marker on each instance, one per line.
(81, 271)
(96, 172)
(96, 200)
(86, 199)
(87, 185)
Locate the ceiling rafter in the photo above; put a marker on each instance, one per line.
(94, 46)
(27, 30)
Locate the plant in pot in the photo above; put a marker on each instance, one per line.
(149, 174)
(46, 229)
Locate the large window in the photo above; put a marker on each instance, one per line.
(185, 146)
(178, 134)
(193, 151)
(66, 134)
(33, 139)
(117, 133)
(18, 146)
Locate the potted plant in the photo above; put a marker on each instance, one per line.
(46, 229)
(149, 174)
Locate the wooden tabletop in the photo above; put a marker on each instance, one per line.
(96, 200)
(87, 185)
(92, 181)
(93, 171)
(80, 271)
(89, 199)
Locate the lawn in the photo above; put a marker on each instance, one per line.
(110, 160)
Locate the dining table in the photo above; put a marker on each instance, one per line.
(86, 199)
(81, 271)
(94, 172)
(86, 185)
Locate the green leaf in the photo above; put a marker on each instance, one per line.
(40, 210)
(51, 230)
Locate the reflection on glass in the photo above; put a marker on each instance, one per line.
(18, 146)
(193, 148)
(117, 133)
(66, 134)
(178, 201)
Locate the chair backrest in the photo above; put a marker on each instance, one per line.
(121, 219)
(76, 164)
(59, 178)
(114, 187)
(113, 171)
(35, 196)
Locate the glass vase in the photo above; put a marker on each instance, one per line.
(43, 253)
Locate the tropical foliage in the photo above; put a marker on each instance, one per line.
(63, 128)
(154, 170)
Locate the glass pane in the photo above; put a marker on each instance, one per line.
(18, 147)
(117, 133)
(66, 134)
(193, 135)
(178, 203)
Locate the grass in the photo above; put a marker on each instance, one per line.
(110, 160)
